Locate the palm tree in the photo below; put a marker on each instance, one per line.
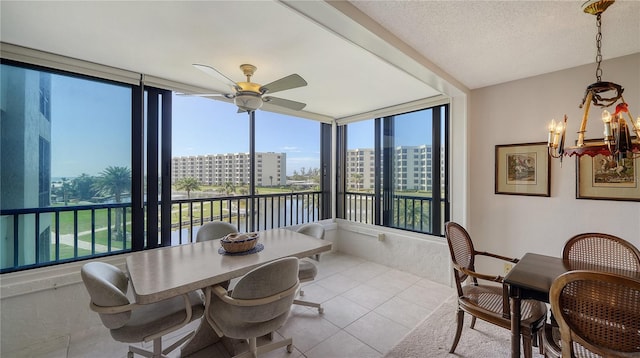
(114, 181)
(187, 184)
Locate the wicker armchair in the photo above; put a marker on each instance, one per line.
(488, 302)
(598, 314)
(596, 252)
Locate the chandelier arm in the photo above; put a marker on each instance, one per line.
(636, 127)
(585, 117)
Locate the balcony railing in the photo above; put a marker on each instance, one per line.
(269, 211)
(408, 212)
(39, 237)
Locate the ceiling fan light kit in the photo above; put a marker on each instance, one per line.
(247, 96)
(247, 101)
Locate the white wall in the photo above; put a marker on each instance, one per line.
(420, 254)
(519, 112)
(44, 310)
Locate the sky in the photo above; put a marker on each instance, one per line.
(91, 129)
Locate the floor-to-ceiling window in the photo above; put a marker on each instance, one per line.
(396, 170)
(257, 171)
(65, 165)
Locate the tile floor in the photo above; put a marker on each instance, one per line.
(368, 308)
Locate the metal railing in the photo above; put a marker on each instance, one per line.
(269, 211)
(408, 212)
(37, 237)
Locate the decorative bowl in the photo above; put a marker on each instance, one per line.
(238, 242)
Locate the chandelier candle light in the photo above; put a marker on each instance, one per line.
(617, 142)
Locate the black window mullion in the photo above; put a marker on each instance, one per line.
(152, 168)
(388, 156)
(325, 171)
(165, 189)
(137, 172)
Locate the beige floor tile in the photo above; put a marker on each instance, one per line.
(368, 296)
(338, 283)
(342, 312)
(427, 297)
(402, 311)
(307, 328)
(377, 331)
(342, 345)
(365, 271)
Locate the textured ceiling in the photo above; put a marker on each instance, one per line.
(483, 43)
(352, 64)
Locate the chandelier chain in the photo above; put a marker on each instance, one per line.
(599, 47)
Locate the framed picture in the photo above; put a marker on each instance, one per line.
(601, 177)
(523, 169)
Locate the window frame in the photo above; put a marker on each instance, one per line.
(386, 153)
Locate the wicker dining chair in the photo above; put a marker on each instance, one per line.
(592, 251)
(601, 250)
(489, 302)
(598, 314)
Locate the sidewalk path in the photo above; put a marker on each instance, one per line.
(67, 239)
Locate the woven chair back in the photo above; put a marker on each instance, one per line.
(601, 252)
(598, 310)
(460, 248)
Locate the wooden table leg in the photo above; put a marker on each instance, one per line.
(515, 322)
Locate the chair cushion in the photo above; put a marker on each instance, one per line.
(487, 299)
(107, 285)
(147, 320)
(307, 270)
(215, 230)
(312, 229)
(249, 321)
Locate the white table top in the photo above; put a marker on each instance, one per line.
(166, 272)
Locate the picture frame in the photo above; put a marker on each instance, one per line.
(601, 178)
(523, 169)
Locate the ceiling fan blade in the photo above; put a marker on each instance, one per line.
(217, 74)
(285, 83)
(296, 106)
(207, 95)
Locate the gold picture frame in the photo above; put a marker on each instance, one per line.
(601, 178)
(523, 169)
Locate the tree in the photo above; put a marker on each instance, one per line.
(187, 184)
(357, 178)
(66, 190)
(114, 181)
(229, 188)
(82, 186)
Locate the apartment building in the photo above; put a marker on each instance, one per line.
(413, 165)
(217, 169)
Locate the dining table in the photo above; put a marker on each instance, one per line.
(167, 272)
(531, 278)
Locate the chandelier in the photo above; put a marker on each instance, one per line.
(617, 142)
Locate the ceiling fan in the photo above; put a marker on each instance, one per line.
(249, 96)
